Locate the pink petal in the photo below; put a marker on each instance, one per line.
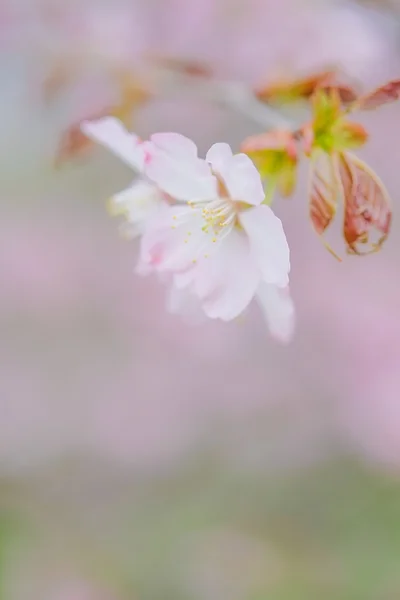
(268, 244)
(278, 310)
(239, 174)
(139, 203)
(172, 163)
(224, 282)
(175, 240)
(219, 155)
(109, 132)
(232, 274)
(175, 144)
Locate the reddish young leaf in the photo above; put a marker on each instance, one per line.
(307, 137)
(73, 142)
(390, 92)
(293, 89)
(324, 188)
(59, 77)
(348, 135)
(346, 93)
(133, 94)
(367, 206)
(133, 91)
(180, 65)
(275, 156)
(279, 139)
(288, 90)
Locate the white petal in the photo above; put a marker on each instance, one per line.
(139, 203)
(223, 275)
(228, 279)
(278, 310)
(110, 132)
(225, 280)
(239, 174)
(175, 239)
(219, 155)
(172, 163)
(175, 144)
(244, 181)
(268, 244)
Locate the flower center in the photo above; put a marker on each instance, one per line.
(219, 216)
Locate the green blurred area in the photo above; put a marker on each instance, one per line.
(332, 532)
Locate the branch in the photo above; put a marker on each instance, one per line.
(239, 97)
(233, 95)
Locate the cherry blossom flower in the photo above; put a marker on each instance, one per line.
(224, 246)
(204, 226)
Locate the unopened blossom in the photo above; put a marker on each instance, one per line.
(224, 246)
(142, 199)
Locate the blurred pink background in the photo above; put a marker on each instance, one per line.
(105, 398)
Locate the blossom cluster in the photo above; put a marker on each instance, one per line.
(203, 224)
(206, 226)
